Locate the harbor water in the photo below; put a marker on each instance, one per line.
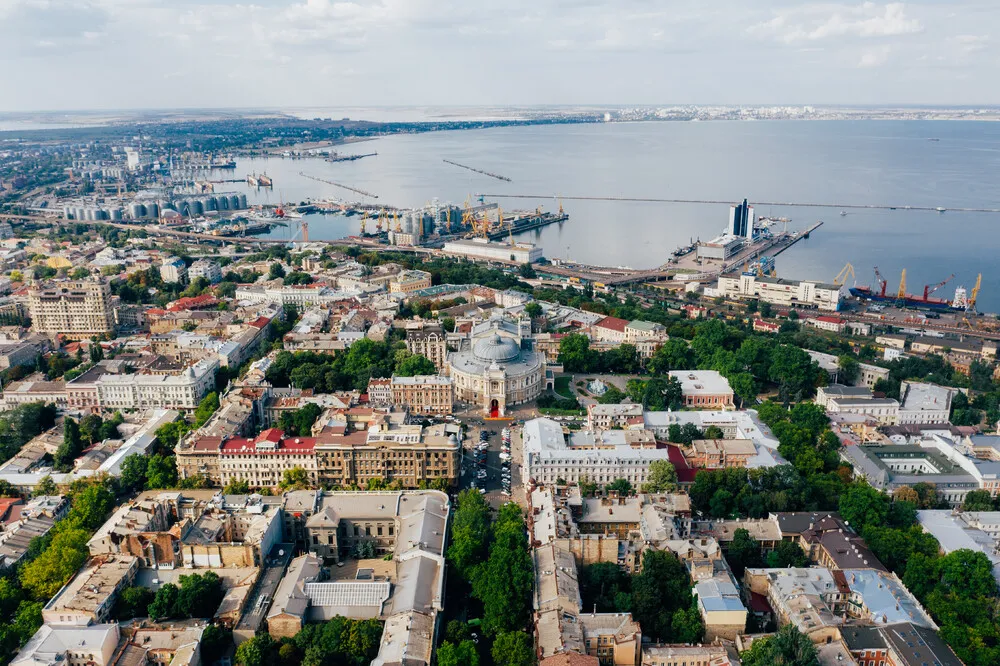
(893, 163)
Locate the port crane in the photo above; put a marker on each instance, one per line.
(901, 294)
(928, 289)
(881, 281)
(340, 185)
(975, 293)
(364, 219)
(395, 218)
(846, 272)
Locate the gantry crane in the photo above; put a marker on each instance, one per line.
(928, 290)
(845, 272)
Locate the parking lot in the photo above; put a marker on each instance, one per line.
(487, 464)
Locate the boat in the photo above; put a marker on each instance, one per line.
(843, 213)
(909, 300)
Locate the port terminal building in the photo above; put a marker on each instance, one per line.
(485, 249)
(781, 292)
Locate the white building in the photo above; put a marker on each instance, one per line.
(69, 646)
(174, 269)
(925, 403)
(300, 296)
(482, 248)
(206, 269)
(704, 389)
(781, 292)
(158, 391)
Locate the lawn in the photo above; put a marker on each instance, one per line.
(563, 388)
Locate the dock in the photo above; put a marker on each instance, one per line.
(527, 224)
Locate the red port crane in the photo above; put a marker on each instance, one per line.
(882, 282)
(928, 289)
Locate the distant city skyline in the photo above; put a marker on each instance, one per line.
(132, 54)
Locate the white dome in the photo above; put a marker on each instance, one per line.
(496, 349)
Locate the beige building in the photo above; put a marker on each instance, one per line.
(409, 281)
(76, 310)
(423, 394)
(70, 646)
(496, 367)
(90, 597)
(428, 339)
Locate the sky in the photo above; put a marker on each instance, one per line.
(129, 54)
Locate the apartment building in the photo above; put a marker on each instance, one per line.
(157, 390)
(75, 310)
(174, 269)
(206, 269)
(428, 339)
(406, 282)
(335, 457)
(423, 394)
(782, 292)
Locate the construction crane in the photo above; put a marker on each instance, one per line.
(975, 293)
(882, 282)
(928, 290)
(845, 272)
(901, 294)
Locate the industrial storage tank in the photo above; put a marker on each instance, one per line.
(208, 203)
(243, 201)
(223, 202)
(116, 214)
(196, 207)
(153, 209)
(137, 210)
(234, 202)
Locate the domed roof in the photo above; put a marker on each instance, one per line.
(496, 349)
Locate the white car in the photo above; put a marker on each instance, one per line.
(504, 455)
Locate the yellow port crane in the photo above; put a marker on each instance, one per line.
(395, 218)
(846, 272)
(364, 219)
(975, 292)
(901, 295)
(380, 220)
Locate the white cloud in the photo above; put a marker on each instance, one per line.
(822, 22)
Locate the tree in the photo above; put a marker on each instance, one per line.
(744, 552)
(66, 553)
(300, 421)
(92, 504)
(605, 586)
(662, 477)
(46, 487)
(675, 354)
(214, 641)
(612, 396)
(620, 486)
(71, 446)
(978, 500)
(848, 369)
(133, 472)
(862, 505)
(237, 487)
(199, 596)
(662, 393)
(462, 654)
(658, 592)
(575, 353)
(208, 406)
(787, 554)
(470, 533)
(513, 648)
(744, 387)
(969, 573)
(276, 271)
(295, 479)
(788, 647)
(134, 602)
(414, 365)
(256, 651)
(504, 582)
(161, 472)
(164, 605)
(533, 309)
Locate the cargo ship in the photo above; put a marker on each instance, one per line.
(909, 300)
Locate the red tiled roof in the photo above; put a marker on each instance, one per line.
(192, 302)
(155, 312)
(830, 320)
(208, 444)
(260, 322)
(613, 323)
(270, 435)
(284, 444)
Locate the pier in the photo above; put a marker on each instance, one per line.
(480, 171)
(794, 204)
(340, 185)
